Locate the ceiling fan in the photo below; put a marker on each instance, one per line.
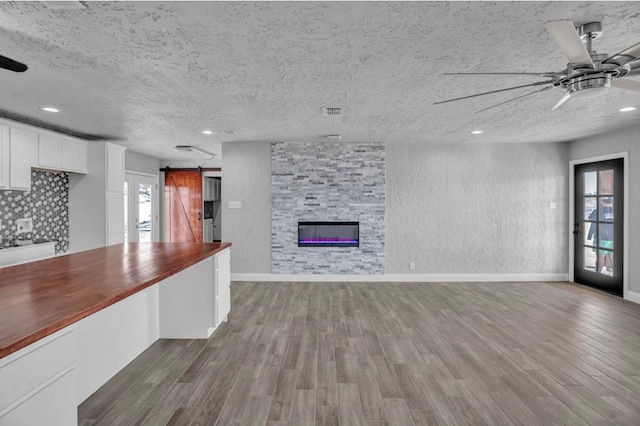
(11, 65)
(587, 74)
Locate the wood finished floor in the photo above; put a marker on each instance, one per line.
(392, 354)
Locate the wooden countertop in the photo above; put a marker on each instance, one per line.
(40, 298)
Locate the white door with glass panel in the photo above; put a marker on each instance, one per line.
(140, 208)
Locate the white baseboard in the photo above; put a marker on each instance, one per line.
(403, 277)
(632, 296)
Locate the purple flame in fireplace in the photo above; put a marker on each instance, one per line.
(328, 234)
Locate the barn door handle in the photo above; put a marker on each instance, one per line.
(199, 215)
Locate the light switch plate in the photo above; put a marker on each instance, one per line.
(235, 204)
(24, 225)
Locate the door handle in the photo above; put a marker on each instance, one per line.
(577, 232)
(199, 215)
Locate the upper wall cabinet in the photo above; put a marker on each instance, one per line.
(115, 168)
(23, 148)
(4, 156)
(62, 153)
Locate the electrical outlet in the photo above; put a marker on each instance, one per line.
(553, 205)
(412, 265)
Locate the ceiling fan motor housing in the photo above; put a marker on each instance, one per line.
(596, 84)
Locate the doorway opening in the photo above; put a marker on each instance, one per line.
(141, 217)
(598, 217)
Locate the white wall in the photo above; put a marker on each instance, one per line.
(136, 162)
(87, 215)
(611, 143)
(246, 171)
(477, 208)
(472, 208)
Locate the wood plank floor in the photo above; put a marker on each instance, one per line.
(392, 354)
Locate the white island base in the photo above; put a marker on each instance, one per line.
(44, 382)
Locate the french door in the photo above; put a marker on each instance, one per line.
(598, 225)
(140, 208)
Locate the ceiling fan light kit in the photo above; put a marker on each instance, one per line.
(588, 73)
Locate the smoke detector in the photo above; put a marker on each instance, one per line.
(332, 111)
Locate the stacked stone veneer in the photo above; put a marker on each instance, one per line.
(327, 182)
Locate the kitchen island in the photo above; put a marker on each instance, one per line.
(69, 323)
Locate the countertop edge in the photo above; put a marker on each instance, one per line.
(67, 321)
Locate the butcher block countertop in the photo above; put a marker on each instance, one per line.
(40, 298)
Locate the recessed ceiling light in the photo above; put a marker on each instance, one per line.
(207, 132)
(628, 109)
(476, 132)
(50, 109)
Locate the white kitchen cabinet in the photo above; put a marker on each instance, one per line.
(56, 152)
(96, 199)
(211, 190)
(208, 231)
(74, 156)
(4, 156)
(23, 152)
(38, 383)
(49, 151)
(115, 168)
(115, 193)
(115, 218)
(222, 285)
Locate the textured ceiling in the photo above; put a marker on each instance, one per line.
(155, 74)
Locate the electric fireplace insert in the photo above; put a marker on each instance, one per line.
(328, 234)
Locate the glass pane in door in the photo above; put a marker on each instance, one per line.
(606, 182)
(589, 260)
(590, 183)
(606, 209)
(144, 212)
(590, 233)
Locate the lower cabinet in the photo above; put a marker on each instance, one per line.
(43, 383)
(223, 285)
(38, 383)
(207, 235)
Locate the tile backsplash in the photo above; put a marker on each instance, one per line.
(47, 204)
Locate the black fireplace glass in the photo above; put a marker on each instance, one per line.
(328, 234)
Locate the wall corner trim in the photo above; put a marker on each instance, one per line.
(632, 296)
(404, 278)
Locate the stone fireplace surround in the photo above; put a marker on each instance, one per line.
(328, 182)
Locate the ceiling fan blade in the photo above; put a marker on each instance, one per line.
(627, 55)
(539, 83)
(516, 98)
(566, 37)
(634, 67)
(627, 84)
(563, 100)
(539, 74)
(11, 65)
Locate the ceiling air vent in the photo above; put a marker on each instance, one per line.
(332, 111)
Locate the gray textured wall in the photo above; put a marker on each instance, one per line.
(449, 208)
(477, 208)
(247, 178)
(136, 162)
(328, 182)
(610, 143)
